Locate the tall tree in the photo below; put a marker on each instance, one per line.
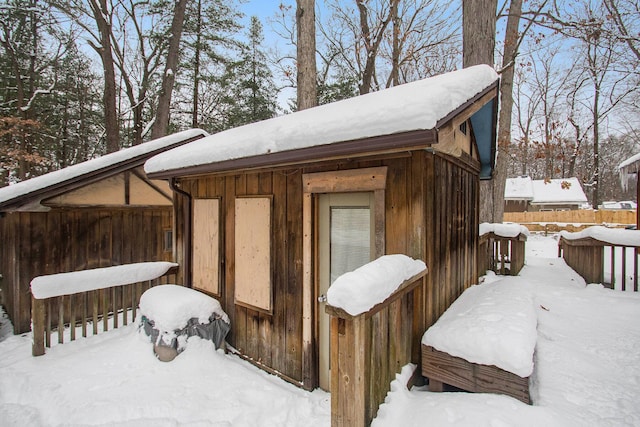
(161, 122)
(478, 45)
(248, 84)
(307, 96)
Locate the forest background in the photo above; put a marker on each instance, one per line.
(81, 78)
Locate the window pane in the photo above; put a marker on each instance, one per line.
(350, 239)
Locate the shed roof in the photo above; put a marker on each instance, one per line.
(32, 191)
(366, 123)
(628, 167)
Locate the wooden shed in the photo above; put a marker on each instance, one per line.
(98, 213)
(270, 213)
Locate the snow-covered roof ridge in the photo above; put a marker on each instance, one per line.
(358, 291)
(490, 324)
(613, 236)
(54, 285)
(558, 190)
(61, 176)
(628, 167)
(409, 107)
(503, 230)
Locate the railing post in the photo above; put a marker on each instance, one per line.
(38, 315)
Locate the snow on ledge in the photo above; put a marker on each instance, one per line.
(170, 307)
(54, 285)
(358, 291)
(503, 230)
(490, 324)
(614, 236)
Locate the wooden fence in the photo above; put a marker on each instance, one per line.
(614, 266)
(553, 221)
(87, 310)
(367, 350)
(503, 255)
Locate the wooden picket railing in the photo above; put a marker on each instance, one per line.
(503, 255)
(87, 310)
(367, 350)
(592, 259)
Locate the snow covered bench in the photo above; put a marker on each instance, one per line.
(173, 313)
(501, 248)
(484, 342)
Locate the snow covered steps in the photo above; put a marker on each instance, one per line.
(484, 342)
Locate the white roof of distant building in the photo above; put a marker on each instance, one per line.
(545, 191)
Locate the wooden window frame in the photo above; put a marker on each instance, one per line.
(243, 285)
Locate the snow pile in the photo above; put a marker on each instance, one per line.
(614, 236)
(54, 285)
(71, 172)
(490, 324)
(503, 230)
(409, 107)
(358, 291)
(171, 306)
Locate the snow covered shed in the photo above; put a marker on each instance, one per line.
(523, 194)
(274, 211)
(98, 213)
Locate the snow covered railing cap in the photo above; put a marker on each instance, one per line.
(611, 236)
(503, 230)
(374, 285)
(54, 285)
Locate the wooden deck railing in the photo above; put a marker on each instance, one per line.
(86, 310)
(367, 350)
(615, 266)
(503, 255)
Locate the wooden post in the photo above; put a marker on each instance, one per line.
(38, 315)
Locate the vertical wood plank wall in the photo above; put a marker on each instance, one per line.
(430, 214)
(38, 243)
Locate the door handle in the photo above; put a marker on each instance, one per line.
(322, 298)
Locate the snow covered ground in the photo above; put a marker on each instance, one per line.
(586, 373)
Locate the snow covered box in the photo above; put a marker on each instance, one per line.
(484, 342)
(170, 314)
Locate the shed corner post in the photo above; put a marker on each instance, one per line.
(350, 372)
(38, 316)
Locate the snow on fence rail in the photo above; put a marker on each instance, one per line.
(603, 255)
(88, 296)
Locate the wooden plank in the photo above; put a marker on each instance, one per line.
(280, 272)
(308, 354)
(38, 307)
(72, 316)
(350, 180)
(472, 377)
(60, 301)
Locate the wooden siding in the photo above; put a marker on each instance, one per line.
(431, 214)
(39, 243)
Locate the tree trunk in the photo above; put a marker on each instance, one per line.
(395, 54)
(196, 70)
(506, 107)
(112, 127)
(306, 54)
(478, 44)
(161, 123)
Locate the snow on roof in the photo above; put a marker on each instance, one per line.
(490, 324)
(503, 230)
(61, 176)
(614, 236)
(170, 307)
(627, 168)
(559, 190)
(359, 290)
(54, 285)
(518, 188)
(409, 107)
